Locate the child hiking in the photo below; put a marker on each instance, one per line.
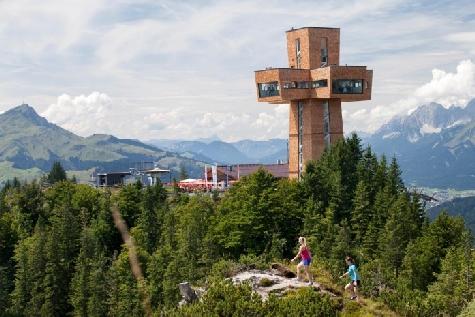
(306, 259)
(354, 277)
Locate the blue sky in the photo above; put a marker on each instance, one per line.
(185, 69)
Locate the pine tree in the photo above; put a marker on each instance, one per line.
(381, 175)
(104, 229)
(99, 285)
(342, 247)
(383, 201)
(57, 173)
(23, 278)
(149, 223)
(28, 296)
(80, 282)
(129, 202)
(369, 245)
(61, 249)
(162, 258)
(424, 255)
(326, 233)
(362, 215)
(399, 230)
(8, 240)
(159, 262)
(193, 221)
(454, 286)
(367, 171)
(380, 208)
(89, 285)
(124, 296)
(183, 172)
(243, 222)
(395, 182)
(349, 153)
(25, 204)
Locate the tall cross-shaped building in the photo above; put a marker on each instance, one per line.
(314, 85)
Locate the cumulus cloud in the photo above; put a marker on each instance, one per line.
(450, 88)
(447, 88)
(183, 69)
(83, 115)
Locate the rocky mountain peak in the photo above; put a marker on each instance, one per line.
(426, 119)
(24, 113)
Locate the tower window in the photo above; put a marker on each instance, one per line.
(268, 89)
(347, 86)
(298, 55)
(326, 123)
(320, 83)
(300, 136)
(323, 52)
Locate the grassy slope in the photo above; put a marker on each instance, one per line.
(367, 307)
(8, 172)
(30, 144)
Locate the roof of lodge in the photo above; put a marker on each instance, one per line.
(277, 170)
(157, 170)
(113, 173)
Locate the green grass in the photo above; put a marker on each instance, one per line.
(366, 306)
(8, 172)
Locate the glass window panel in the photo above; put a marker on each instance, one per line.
(323, 52)
(268, 89)
(320, 83)
(300, 137)
(297, 52)
(347, 86)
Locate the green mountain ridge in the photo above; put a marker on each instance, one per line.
(29, 142)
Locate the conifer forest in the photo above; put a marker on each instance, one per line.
(61, 253)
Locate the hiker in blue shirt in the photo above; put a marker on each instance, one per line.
(354, 277)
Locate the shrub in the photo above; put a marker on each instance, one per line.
(265, 282)
(225, 268)
(304, 302)
(224, 299)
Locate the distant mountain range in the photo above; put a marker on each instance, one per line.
(217, 151)
(29, 145)
(435, 146)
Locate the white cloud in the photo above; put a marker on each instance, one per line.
(359, 114)
(184, 68)
(450, 88)
(229, 126)
(99, 113)
(83, 115)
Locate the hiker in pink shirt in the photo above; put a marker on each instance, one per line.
(306, 259)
